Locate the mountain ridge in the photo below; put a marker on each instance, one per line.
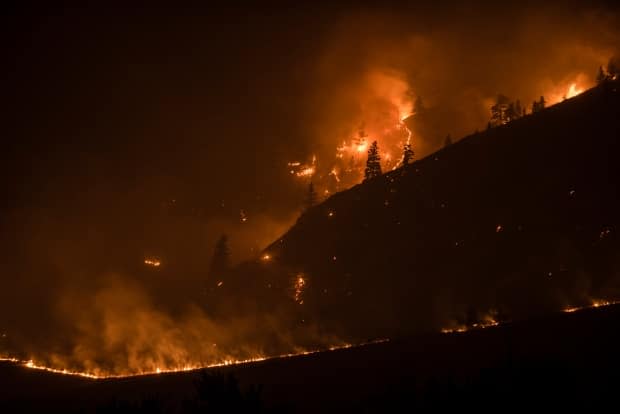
(506, 223)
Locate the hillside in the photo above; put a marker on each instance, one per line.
(511, 222)
(562, 361)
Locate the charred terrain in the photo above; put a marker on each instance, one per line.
(507, 226)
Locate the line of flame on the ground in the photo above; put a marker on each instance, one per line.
(488, 323)
(33, 365)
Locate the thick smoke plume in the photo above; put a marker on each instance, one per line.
(457, 61)
(118, 330)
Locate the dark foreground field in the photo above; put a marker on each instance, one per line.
(565, 361)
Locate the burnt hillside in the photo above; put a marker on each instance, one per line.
(513, 221)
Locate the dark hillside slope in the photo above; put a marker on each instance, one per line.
(514, 221)
(559, 363)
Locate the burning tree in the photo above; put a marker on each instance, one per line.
(311, 197)
(407, 154)
(220, 263)
(373, 163)
(504, 111)
(500, 111)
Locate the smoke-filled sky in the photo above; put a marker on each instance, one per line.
(138, 133)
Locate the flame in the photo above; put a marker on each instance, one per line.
(299, 286)
(303, 170)
(594, 303)
(556, 93)
(152, 262)
(362, 146)
(486, 321)
(383, 104)
(31, 364)
(573, 91)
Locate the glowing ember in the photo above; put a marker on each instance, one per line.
(303, 170)
(299, 286)
(152, 262)
(596, 303)
(266, 257)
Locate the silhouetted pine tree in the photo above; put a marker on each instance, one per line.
(220, 263)
(539, 105)
(601, 75)
(518, 109)
(373, 163)
(448, 141)
(311, 197)
(407, 154)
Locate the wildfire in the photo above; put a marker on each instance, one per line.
(573, 90)
(226, 362)
(303, 170)
(596, 303)
(152, 262)
(487, 321)
(568, 90)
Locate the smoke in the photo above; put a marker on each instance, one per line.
(248, 234)
(117, 329)
(377, 62)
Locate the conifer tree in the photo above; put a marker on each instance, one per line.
(407, 154)
(539, 105)
(373, 163)
(448, 141)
